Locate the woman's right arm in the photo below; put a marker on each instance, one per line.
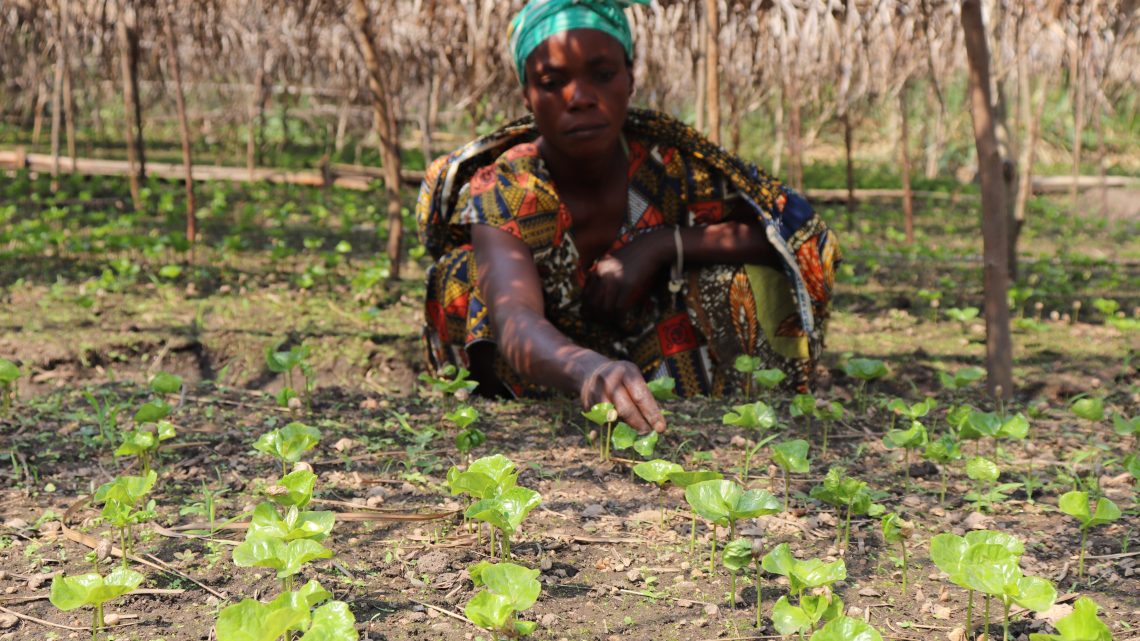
(512, 290)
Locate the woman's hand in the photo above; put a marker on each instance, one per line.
(620, 383)
(621, 279)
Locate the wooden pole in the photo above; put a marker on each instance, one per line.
(57, 94)
(385, 122)
(255, 105)
(904, 151)
(712, 62)
(995, 220)
(183, 128)
(128, 67)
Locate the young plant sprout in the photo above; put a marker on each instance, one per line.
(845, 628)
(663, 388)
(1076, 505)
(285, 557)
(909, 439)
(683, 480)
(1124, 426)
(505, 512)
(144, 443)
(509, 589)
(864, 370)
(284, 362)
(657, 471)
(625, 437)
(290, 612)
(769, 378)
(899, 407)
(1081, 625)
(961, 379)
(842, 491)
(753, 416)
(896, 530)
(484, 478)
(9, 374)
(948, 552)
(93, 589)
(288, 443)
(724, 503)
(804, 575)
(943, 451)
(993, 570)
(120, 499)
(986, 472)
(736, 556)
(603, 414)
(963, 315)
(791, 456)
(452, 383)
(468, 437)
(804, 405)
(747, 365)
(1089, 408)
(828, 413)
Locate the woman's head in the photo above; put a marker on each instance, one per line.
(573, 58)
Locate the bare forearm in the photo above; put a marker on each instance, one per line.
(729, 243)
(541, 353)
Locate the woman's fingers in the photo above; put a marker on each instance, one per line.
(621, 384)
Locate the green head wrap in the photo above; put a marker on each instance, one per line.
(540, 19)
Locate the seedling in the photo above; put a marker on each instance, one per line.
(962, 314)
(295, 524)
(603, 414)
(288, 443)
(736, 556)
(791, 456)
(286, 557)
(846, 629)
(842, 491)
(769, 378)
(724, 502)
(961, 379)
(485, 477)
(993, 570)
(468, 437)
(505, 512)
(683, 480)
(1089, 408)
(896, 530)
(120, 499)
(746, 365)
(285, 362)
(829, 413)
(663, 388)
(93, 589)
(1127, 427)
(948, 551)
(625, 437)
(864, 370)
(1081, 625)
(804, 575)
(9, 374)
(1076, 505)
(509, 589)
(986, 472)
(290, 612)
(943, 451)
(753, 416)
(909, 439)
(657, 471)
(144, 443)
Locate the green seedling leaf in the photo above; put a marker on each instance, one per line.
(450, 381)
(913, 412)
(865, 369)
(8, 371)
(789, 619)
(724, 502)
(1033, 593)
(152, 412)
(895, 528)
(803, 405)
(252, 620)
(910, 438)
(1090, 409)
(822, 607)
(469, 439)
(285, 395)
(126, 489)
(332, 621)
(294, 489)
(485, 477)
(267, 523)
(841, 490)
(944, 450)
(137, 442)
(663, 388)
(476, 572)
(623, 436)
(1081, 625)
(979, 424)
(963, 314)
(507, 510)
(962, 378)
(990, 537)
(948, 551)
(489, 611)
(1126, 426)
(602, 413)
(288, 443)
(846, 629)
(792, 456)
(746, 364)
(645, 445)
(982, 469)
(510, 588)
(990, 569)
(285, 557)
(164, 383)
(1014, 428)
(525, 628)
(71, 592)
(1131, 464)
(463, 416)
(802, 575)
(755, 416)
(164, 430)
(685, 479)
(737, 554)
(657, 471)
(769, 378)
(1076, 505)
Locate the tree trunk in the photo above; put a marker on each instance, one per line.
(341, 126)
(38, 118)
(712, 63)
(385, 122)
(795, 145)
(904, 151)
(130, 98)
(995, 232)
(848, 150)
(426, 123)
(778, 127)
(935, 141)
(256, 104)
(69, 116)
(701, 72)
(1028, 158)
(183, 128)
(1080, 57)
(57, 93)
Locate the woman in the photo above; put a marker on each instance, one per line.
(592, 246)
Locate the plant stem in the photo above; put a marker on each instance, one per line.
(1005, 624)
(732, 601)
(1081, 562)
(759, 594)
(785, 490)
(693, 535)
(1029, 482)
(492, 528)
(826, 426)
(970, 614)
(123, 544)
(712, 552)
(942, 494)
(96, 622)
(506, 543)
(906, 467)
(847, 531)
(902, 542)
(987, 628)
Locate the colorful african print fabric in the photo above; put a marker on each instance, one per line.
(676, 177)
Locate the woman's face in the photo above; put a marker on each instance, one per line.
(578, 86)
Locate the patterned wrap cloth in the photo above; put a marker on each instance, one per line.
(676, 177)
